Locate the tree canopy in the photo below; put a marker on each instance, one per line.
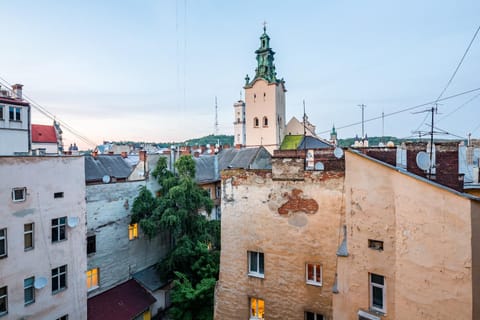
(193, 261)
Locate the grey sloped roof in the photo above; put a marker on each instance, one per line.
(205, 169)
(309, 142)
(150, 278)
(106, 165)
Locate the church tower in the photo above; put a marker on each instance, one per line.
(264, 120)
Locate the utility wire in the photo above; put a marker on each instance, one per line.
(404, 110)
(459, 107)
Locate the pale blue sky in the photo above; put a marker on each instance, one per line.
(150, 70)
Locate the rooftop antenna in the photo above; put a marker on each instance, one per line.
(383, 127)
(304, 134)
(433, 110)
(216, 117)
(363, 119)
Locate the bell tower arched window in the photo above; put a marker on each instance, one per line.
(256, 123)
(265, 121)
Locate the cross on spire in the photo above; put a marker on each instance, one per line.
(264, 26)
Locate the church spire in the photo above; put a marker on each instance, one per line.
(265, 66)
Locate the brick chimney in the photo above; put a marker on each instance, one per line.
(142, 154)
(124, 154)
(446, 167)
(17, 91)
(413, 148)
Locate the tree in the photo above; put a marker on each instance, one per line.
(193, 262)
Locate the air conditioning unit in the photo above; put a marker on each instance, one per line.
(362, 315)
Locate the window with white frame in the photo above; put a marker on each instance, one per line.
(59, 229)
(3, 300)
(257, 309)
(59, 279)
(313, 316)
(255, 264)
(14, 113)
(28, 236)
(313, 274)
(3, 242)
(377, 293)
(28, 291)
(19, 194)
(92, 279)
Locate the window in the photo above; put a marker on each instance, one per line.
(28, 291)
(133, 231)
(64, 317)
(92, 279)
(256, 123)
(218, 192)
(375, 244)
(58, 195)
(3, 301)
(265, 121)
(3, 243)
(59, 279)
(28, 236)
(58, 229)
(91, 244)
(218, 212)
(313, 316)
(314, 274)
(377, 292)
(255, 264)
(19, 194)
(257, 308)
(1, 113)
(14, 113)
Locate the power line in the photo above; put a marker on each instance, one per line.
(459, 107)
(405, 109)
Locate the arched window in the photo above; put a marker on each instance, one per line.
(256, 123)
(265, 121)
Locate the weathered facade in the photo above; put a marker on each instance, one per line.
(42, 238)
(289, 220)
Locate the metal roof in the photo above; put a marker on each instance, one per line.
(150, 278)
(106, 165)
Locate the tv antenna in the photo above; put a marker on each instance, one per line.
(433, 110)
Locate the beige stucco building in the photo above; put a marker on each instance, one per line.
(42, 238)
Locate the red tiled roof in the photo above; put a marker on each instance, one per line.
(124, 302)
(43, 134)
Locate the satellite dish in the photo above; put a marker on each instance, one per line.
(423, 160)
(40, 282)
(338, 152)
(106, 179)
(319, 166)
(72, 222)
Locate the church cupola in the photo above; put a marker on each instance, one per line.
(265, 66)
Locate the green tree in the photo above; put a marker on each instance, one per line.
(193, 261)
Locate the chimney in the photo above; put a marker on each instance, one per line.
(196, 154)
(17, 91)
(142, 155)
(95, 154)
(238, 146)
(413, 148)
(226, 146)
(124, 154)
(446, 171)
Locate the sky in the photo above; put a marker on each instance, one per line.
(150, 70)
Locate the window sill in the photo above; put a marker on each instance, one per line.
(316, 284)
(377, 312)
(91, 254)
(58, 291)
(59, 241)
(3, 313)
(3, 257)
(29, 303)
(256, 275)
(93, 289)
(28, 249)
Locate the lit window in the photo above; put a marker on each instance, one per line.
(133, 231)
(265, 121)
(28, 291)
(257, 308)
(59, 229)
(256, 123)
(19, 194)
(59, 279)
(255, 264)
(92, 279)
(91, 244)
(313, 274)
(28, 236)
(64, 317)
(313, 316)
(3, 301)
(3, 243)
(377, 292)
(14, 113)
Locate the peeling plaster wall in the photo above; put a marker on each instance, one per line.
(427, 256)
(117, 257)
(251, 221)
(43, 176)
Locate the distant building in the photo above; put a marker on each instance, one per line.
(47, 140)
(14, 122)
(260, 120)
(42, 238)
(295, 127)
